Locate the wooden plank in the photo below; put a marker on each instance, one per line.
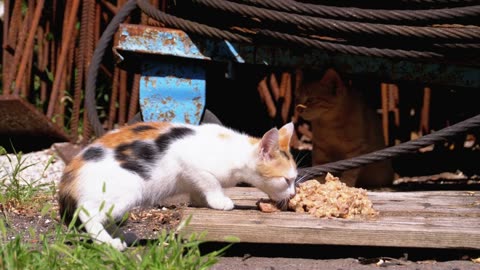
(433, 219)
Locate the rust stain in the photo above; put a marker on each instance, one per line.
(150, 80)
(167, 116)
(187, 118)
(168, 42)
(166, 100)
(199, 106)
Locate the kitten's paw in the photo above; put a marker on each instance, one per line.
(220, 202)
(118, 244)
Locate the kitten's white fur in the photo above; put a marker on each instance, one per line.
(201, 165)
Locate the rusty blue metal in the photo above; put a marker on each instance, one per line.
(176, 43)
(172, 91)
(155, 40)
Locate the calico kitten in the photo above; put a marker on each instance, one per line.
(343, 126)
(141, 164)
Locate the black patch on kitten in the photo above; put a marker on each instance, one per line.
(144, 151)
(141, 128)
(136, 157)
(93, 154)
(136, 167)
(164, 140)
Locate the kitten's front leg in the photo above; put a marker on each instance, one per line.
(209, 193)
(215, 200)
(218, 200)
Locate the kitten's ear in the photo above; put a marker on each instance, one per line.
(269, 143)
(285, 135)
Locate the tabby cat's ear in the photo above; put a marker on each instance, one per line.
(269, 143)
(331, 77)
(285, 135)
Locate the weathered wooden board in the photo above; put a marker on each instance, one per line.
(432, 219)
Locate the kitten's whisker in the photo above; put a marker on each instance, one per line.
(300, 179)
(302, 158)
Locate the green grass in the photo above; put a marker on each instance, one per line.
(71, 251)
(64, 247)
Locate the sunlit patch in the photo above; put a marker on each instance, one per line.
(224, 136)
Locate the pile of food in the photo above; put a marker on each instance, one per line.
(332, 199)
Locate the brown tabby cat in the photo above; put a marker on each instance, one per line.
(343, 126)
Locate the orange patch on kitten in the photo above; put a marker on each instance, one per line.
(279, 166)
(128, 134)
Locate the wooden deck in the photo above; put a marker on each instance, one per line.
(432, 219)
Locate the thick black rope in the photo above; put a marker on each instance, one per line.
(410, 4)
(348, 49)
(339, 28)
(390, 152)
(212, 32)
(189, 26)
(410, 17)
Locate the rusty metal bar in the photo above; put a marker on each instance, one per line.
(113, 99)
(122, 98)
(41, 52)
(384, 93)
(6, 57)
(43, 66)
(133, 108)
(80, 64)
(87, 129)
(26, 53)
(18, 53)
(14, 25)
(62, 59)
(26, 84)
(425, 114)
(97, 19)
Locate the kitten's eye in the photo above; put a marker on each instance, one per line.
(287, 180)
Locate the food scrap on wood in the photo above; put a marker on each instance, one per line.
(333, 199)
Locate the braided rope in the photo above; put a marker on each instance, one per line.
(398, 3)
(342, 28)
(370, 15)
(348, 49)
(189, 26)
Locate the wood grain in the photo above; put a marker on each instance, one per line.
(433, 219)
